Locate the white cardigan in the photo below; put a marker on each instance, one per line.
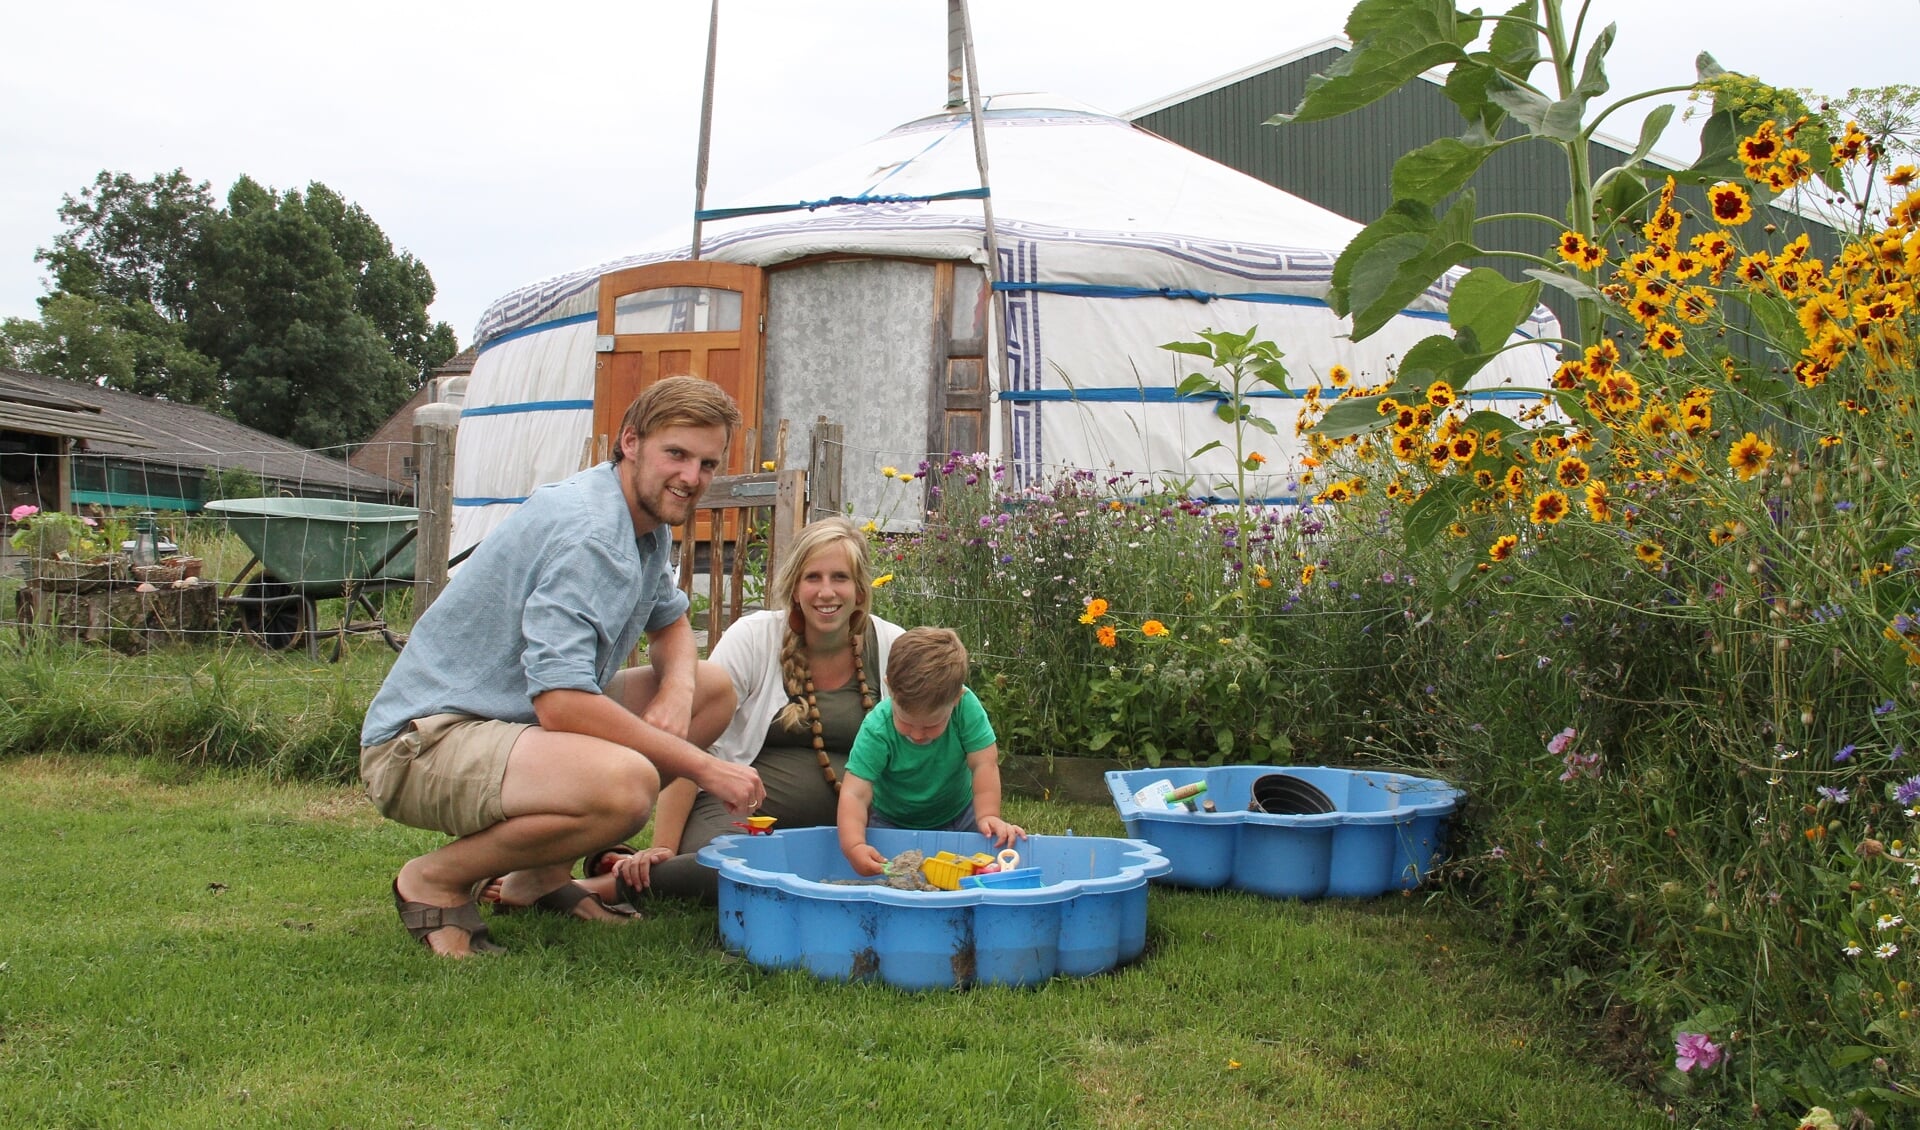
(750, 653)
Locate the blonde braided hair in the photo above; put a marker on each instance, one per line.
(796, 671)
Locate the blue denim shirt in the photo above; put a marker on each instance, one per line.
(555, 598)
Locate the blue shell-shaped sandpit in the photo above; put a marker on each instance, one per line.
(777, 910)
(1386, 832)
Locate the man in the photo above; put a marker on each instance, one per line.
(507, 721)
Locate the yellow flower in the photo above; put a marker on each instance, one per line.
(767, 465)
(890, 472)
(1339, 376)
(1153, 628)
(1748, 456)
(1107, 636)
(1599, 504)
(1731, 205)
(882, 579)
(1649, 552)
(869, 528)
(1571, 472)
(1666, 337)
(1095, 609)
(1440, 394)
(1306, 574)
(1502, 547)
(1548, 508)
(905, 477)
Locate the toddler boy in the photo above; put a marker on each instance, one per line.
(925, 757)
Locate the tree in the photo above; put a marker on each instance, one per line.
(275, 305)
(135, 241)
(123, 272)
(291, 313)
(128, 347)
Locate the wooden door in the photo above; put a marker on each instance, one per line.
(681, 320)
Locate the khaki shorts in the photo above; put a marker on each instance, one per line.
(442, 773)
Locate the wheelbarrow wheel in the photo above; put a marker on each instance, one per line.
(278, 614)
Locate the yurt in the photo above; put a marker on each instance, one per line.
(857, 290)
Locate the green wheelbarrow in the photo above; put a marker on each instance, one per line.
(310, 549)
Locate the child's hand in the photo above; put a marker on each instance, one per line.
(1000, 832)
(867, 860)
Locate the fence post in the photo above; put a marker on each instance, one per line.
(823, 469)
(434, 429)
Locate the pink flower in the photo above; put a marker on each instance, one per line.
(1694, 1049)
(21, 513)
(1558, 744)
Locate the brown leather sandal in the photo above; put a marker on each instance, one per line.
(423, 918)
(600, 862)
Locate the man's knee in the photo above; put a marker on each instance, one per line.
(631, 792)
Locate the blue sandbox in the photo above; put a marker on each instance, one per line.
(777, 911)
(1386, 831)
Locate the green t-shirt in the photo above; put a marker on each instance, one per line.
(920, 786)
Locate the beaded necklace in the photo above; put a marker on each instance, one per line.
(813, 708)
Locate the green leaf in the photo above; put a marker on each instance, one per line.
(1390, 277)
(1515, 46)
(1435, 510)
(1196, 383)
(1467, 88)
(1196, 348)
(1593, 76)
(1706, 69)
(1437, 170)
(1394, 41)
(1263, 424)
(1563, 282)
(1226, 411)
(1784, 334)
(1486, 303)
(1650, 131)
(1099, 741)
(1202, 450)
(1352, 417)
(1402, 219)
(1429, 359)
(1719, 148)
(1623, 198)
(1560, 120)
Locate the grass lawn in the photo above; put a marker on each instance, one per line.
(221, 950)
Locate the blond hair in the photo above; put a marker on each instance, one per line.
(794, 671)
(927, 668)
(678, 402)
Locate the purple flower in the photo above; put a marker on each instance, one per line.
(1843, 506)
(1883, 709)
(1844, 755)
(1907, 792)
(1837, 796)
(1694, 1049)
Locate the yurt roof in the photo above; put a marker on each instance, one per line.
(1143, 211)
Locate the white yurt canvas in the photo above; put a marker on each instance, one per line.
(877, 314)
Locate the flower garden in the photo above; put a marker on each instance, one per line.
(1662, 623)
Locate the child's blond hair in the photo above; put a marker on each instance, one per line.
(927, 668)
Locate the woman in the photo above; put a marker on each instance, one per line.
(806, 672)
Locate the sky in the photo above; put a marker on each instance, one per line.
(503, 144)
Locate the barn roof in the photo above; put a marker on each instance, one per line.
(141, 428)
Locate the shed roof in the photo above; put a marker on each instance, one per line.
(39, 412)
(160, 431)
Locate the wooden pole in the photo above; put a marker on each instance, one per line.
(823, 469)
(434, 429)
(959, 8)
(706, 128)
